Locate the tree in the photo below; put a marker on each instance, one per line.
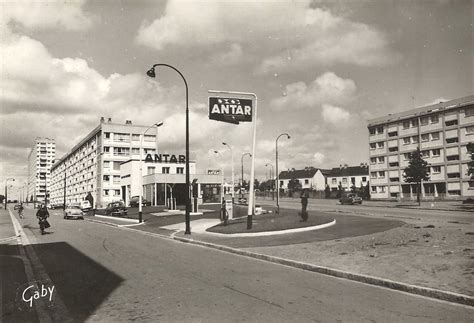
(367, 191)
(470, 165)
(417, 171)
(294, 185)
(340, 189)
(1, 198)
(327, 192)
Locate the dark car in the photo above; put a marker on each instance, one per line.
(116, 209)
(134, 201)
(351, 199)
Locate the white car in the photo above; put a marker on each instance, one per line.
(86, 206)
(73, 211)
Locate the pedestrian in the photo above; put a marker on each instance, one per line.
(42, 216)
(20, 210)
(304, 205)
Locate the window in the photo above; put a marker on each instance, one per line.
(149, 138)
(373, 146)
(381, 174)
(117, 165)
(393, 164)
(414, 123)
(436, 169)
(344, 180)
(372, 131)
(364, 179)
(406, 141)
(452, 157)
(435, 152)
(382, 189)
(106, 192)
(469, 130)
(281, 183)
(425, 153)
(150, 170)
(373, 160)
(117, 179)
(135, 137)
(425, 137)
(469, 111)
(334, 181)
(179, 170)
(106, 178)
(451, 140)
(106, 149)
(379, 130)
(451, 123)
(135, 151)
(107, 135)
(381, 160)
(117, 192)
(406, 124)
(306, 181)
(373, 174)
(454, 175)
(353, 180)
(165, 170)
(434, 136)
(454, 192)
(121, 151)
(373, 189)
(424, 121)
(125, 137)
(434, 119)
(380, 145)
(394, 179)
(149, 151)
(393, 134)
(393, 149)
(414, 139)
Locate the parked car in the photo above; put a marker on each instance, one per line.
(351, 199)
(73, 211)
(86, 206)
(134, 201)
(16, 207)
(116, 209)
(57, 206)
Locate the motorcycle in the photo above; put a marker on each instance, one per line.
(44, 224)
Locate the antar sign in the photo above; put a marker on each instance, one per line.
(230, 110)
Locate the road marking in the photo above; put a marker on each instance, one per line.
(33, 265)
(115, 218)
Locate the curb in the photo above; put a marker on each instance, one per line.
(116, 218)
(371, 280)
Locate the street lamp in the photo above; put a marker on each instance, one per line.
(242, 178)
(151, 73)
(232, 156)
(277, 174)
(271, 180)
(140, 190)
(222, 179)
(6, 196)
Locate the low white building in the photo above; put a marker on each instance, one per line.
(347, 177)
(309, 178)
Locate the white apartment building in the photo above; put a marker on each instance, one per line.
(40, 160)
(348, 177)
(93, 165)
(442, 132)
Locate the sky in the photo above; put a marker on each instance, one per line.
(320, 70)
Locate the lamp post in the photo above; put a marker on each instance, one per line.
(271, 180)
(222, 179)
(6, 196)
(140, 177)
(242, 165)
(277, 174)
(232, 163)
(151, 73)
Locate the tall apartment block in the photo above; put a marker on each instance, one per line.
(40, 161)
(93, 165)
(442, 132)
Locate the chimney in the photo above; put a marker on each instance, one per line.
(102, 119)
(109, 120)
(128, 121)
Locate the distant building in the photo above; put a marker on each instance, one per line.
(309, 178)
(40, 161)
(348, 177)
(442, 132)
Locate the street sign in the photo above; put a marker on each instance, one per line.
(231, 110)
(213, 172)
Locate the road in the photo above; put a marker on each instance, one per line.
(108, 274)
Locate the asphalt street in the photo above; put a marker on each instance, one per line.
(108, 274)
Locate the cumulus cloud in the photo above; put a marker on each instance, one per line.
(334, 115)
(301, 34)
(327, 88)
(318, 158)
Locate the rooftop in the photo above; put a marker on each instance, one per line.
(349, 171)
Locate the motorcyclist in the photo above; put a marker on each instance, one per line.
(20, 211)
(42, 215)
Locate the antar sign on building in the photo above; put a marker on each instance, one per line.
(230, 109)
(165, 158)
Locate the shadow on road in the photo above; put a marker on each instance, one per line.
(81, 283)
